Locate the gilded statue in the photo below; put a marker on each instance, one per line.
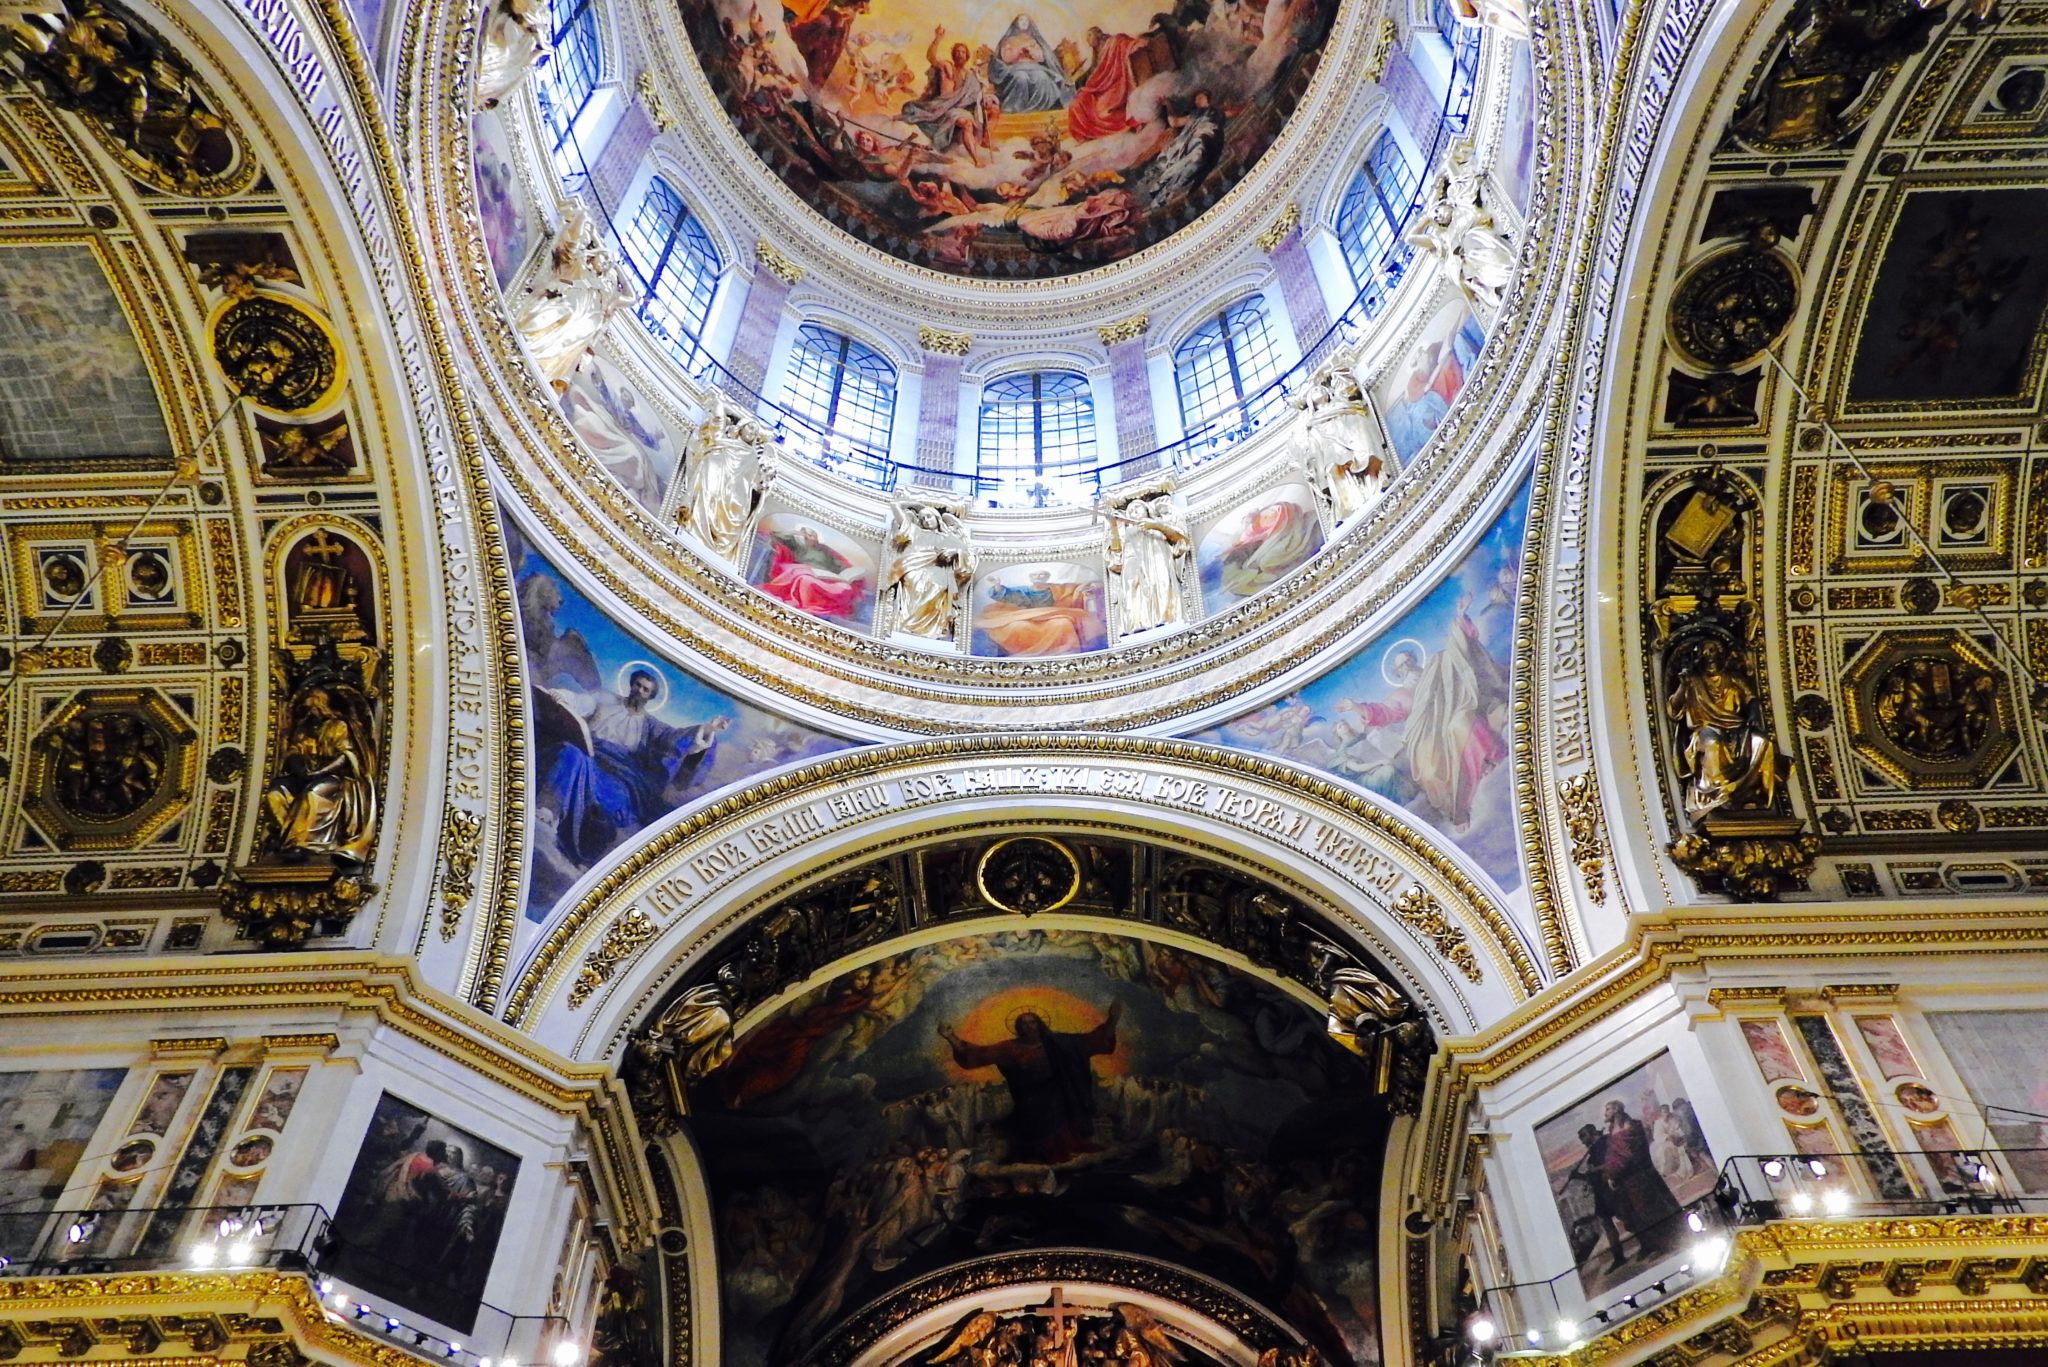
(1361, 1007)
(1459, 228)
(1815, 91)
(1346, 452)
(725, 473)
(1146, 545)
(1726, 757)
(564, 312)
(514, 42)
(323, 798)
(934, 563)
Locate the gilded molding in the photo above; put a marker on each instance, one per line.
(776, 264)
(943, 343)
(1579, 799)
(1746, 996)
(1125, 330)
(650, 100)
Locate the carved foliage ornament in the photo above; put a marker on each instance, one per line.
(1732, 305)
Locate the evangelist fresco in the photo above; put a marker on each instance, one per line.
(501, 200)
(621, 737)
(1033, 1089)
(1419, 714)
(1418, 393)
(814, 568)
(46, 1122)
(1051, 608)
(1956, 310)
(1516, 165)
(1254, 546)
(1624, 1164)
(77, 386)
(2002, 1058)
(421, 1214)
(621, 429)
(1032, 142)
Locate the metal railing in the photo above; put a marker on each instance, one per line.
(301, 1238)
(1073, 483)
(1643, 1266)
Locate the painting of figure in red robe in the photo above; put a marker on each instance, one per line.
(1032, 142)
(1035, 1089)
(814, 568)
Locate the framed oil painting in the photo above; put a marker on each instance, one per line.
(1049, 608)
(47, 1120)
(2002, 1058)
(419, 1220)
(814, 568)
(1624, 1163)
(1256, 545)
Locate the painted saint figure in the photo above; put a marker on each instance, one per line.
(810, 576)
(1024, 72)
(1042, 617)
(956, 103)
(632, 768)
(1052, 1085)
(1100, 106)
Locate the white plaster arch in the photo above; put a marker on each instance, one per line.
(1360, 863)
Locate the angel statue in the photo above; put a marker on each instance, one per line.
(1347, 452)
(1725, 754)
(725, 472)
(515, 42)
(1146, 546)
(1459, 227)
(1507, 17)
(565, 310)
(933, 563)
(323, 799)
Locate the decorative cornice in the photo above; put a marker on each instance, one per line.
(1746, 996)
(1126, 330)
(944, 343)
(1289, 220)
(776, 264)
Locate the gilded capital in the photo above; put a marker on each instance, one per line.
(1289, 220)
(777, 265)
(944, 343)
(1128, 330)
(650, 100)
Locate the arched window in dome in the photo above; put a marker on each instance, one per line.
(843, 386)
(1369, 217)
(678, 268)
(568, 79)
(1040, 419)
(1226, 360)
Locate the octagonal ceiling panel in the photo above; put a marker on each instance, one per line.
(1010, 143)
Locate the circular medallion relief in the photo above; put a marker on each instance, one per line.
(108, 764)
(1733, 305)
(1009, 143)
(1028, 875)
(276, 353)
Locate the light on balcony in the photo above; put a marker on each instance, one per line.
(1708, 1254)
(1694, 1223)
(1835, 1201)
(1482, 1330)
(1773, 1169)
(1567, 1329)
(1816, 1167)
(240, 1252)
(1801, 1203)
(203, 1255)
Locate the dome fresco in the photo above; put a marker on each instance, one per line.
(1001, 142)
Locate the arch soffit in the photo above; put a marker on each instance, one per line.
(1408, 903)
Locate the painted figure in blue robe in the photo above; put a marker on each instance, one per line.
(634, 768)
(1436, 374)
(1026, 74)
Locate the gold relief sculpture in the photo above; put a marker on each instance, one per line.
(934, 563)
(109, 769)
(329, 588)
(1147, 547)
(1831, 68)
(136, 93)
(726, 472)
(514, 41)
(776, 264)
(1344, 444)
(1028, 875)
(1289, 220)
(458, 881)
(690, 1040)
(304, 451)
(1126, 330)
(943, 343)
(322, 796)
(620, 941)
(1740, 835)
(649, 95)
(1929, 709)
(1383, 45)
(1734, 304)
(1368, 1017)
(277, 353)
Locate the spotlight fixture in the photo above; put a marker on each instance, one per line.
(1694, 1223)
(203, 1254)
(1659, 1287)
(1816, 1167)
(453, 1349)
(390, 1325)
(483, 1362)
(1836, 1201)
(229, 1225)
(1801, 1203)
(82, 1229)
(419, 1338)
(241, 1251)
(1629, 1300)
(340, 1300)
(1984, 1176)
(326, 1285)
(1708, 1253)
(5, 1262)
(1535, 1336)
(1773, 1168)
(1567, 1330)
(1483, 1330)
(1600, 1315)
(567, 1354)
(361, 1310)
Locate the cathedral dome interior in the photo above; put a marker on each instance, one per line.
(1222, 683)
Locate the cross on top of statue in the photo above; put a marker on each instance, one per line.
(1065, 1320)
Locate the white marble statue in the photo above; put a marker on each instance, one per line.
(514, 43)
(934, 563)
(1146, 545)
(565, 310)
(1343, 443)
(1510, 17)
(1458, 227)
(725, 473)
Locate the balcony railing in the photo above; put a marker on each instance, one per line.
(1664, 1257)
(1071, 484)
(299, 1238)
